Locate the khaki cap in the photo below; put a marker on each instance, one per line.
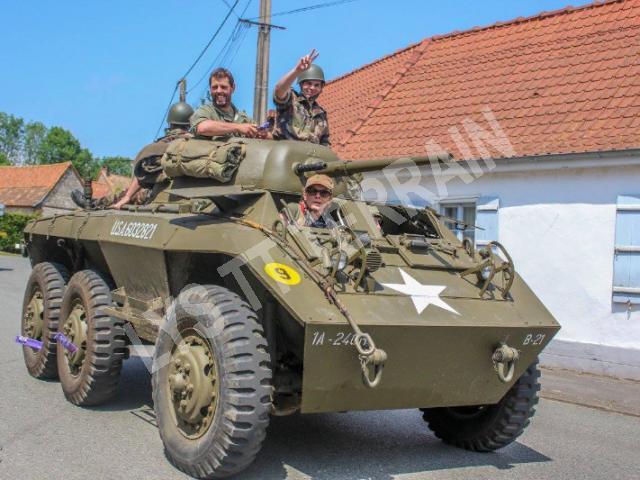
(319, 179)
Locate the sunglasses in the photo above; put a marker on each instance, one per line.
(322, 192)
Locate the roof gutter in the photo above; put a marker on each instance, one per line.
(560, 161)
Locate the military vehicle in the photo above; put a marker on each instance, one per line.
(254, 315)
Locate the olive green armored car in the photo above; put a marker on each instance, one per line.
(254, 314)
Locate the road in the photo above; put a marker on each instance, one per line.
(44, 436)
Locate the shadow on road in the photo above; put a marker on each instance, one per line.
(360, 446)
(331, 446)
(6, 269)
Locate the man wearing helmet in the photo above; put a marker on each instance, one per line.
(221, 118)
(147, 172)
(300, 117)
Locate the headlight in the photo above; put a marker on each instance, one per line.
(339, 260)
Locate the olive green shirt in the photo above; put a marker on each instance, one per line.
(209, 111)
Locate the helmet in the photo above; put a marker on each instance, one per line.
(179, 114)
(314, 72)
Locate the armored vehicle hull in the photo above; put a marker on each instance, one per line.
(388, 311)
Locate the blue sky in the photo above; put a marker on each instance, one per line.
(106, 69)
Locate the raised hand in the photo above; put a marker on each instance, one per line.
(305, 62)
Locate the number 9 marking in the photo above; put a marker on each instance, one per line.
(282, 273)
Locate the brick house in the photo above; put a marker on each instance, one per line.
(43, 189)
(542, 115)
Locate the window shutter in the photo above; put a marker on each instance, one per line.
(626, 258)
(487, 219)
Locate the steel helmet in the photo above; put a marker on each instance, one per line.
(314, 72)
(179, 114)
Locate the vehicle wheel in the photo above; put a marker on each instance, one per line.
(486, 428)
(211, 383)
(40, 314)
(90, 375)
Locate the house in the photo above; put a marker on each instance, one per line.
(542, 116)
(43, 189)
(107, 183)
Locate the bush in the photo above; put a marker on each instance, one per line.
(11, 227)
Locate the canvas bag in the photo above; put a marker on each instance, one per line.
(193, 157)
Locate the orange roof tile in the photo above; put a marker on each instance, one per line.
(558, 82)
(107, 183)
(28, 186)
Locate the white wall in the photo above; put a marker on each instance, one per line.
(559, 227)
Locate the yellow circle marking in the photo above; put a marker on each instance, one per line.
(282, 273)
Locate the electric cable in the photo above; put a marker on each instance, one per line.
(310, 7)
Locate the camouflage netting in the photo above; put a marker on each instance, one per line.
(203, 158)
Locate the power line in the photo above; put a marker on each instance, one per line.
(211, 40)
(175, 89)
(310, 7)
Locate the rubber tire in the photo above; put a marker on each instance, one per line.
(237, 342)
(97, 381)
(498, 425)
(51, 279)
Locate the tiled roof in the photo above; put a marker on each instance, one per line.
(107, 183)
(559, 82)
(28, 186)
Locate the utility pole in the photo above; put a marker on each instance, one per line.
(262, 63)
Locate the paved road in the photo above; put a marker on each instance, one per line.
(43, 436)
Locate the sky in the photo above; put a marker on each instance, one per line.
(105, 70)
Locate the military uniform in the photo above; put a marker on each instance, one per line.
(148, 170)
(210, 112)
(299, 118)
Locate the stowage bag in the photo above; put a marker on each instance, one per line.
(193, 157)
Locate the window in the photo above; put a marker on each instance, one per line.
(462, 212)
(482, 213)
(626, 258)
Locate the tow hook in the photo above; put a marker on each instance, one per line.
(504, 360)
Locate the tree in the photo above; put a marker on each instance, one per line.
(34, 134)
(117, 165)
(4, 161)
(11, 132)
(59, 145)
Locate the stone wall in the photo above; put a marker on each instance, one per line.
(59, 199)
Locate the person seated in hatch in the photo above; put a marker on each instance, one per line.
(312, 209)
(221, 118)
(300, 117)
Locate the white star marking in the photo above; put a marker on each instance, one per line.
(421, 295)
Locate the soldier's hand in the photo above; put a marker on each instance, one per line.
(248, 130)
(305, 62)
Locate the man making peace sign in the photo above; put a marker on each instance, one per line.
(300, 117)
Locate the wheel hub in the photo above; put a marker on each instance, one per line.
(75, 329)
(193, 387)
(34, 316)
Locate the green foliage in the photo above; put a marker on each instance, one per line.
(34, 134)
(59, 145)
(11, 227)
(11, 132)
(117, 165)
(32, 143)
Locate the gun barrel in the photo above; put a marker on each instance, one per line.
(357, 166)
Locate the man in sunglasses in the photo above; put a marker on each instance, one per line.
(312, 209)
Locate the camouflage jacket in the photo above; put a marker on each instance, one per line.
(299, 118)
(209, 111)
(146, 166)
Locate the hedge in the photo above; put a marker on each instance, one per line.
(11, 226)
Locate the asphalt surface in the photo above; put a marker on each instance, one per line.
(44, 436)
